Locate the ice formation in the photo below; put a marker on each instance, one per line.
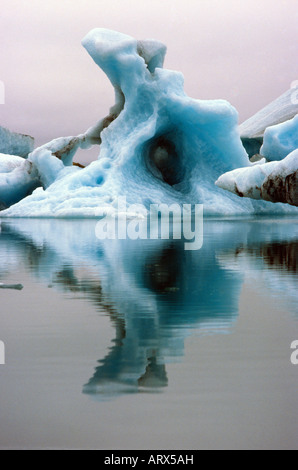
(11, 286)
(19, 174)
(157, 144)
(15, 144)
(280, 140)
(275, 181)
(280, 110)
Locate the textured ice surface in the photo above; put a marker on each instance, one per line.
(275, 181)
(18, 178)
(15, 144)
(280, 140)
(280, 110)
(157, 144)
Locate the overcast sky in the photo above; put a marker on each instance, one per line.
(244, 51)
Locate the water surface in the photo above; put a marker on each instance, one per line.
(122, 344)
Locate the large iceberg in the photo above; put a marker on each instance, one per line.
(157, 144)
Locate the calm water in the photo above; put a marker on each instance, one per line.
(143, 345)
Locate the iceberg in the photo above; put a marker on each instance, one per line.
(280, 110)
(11, 286)
(275, 181)
(280, 140)
(18, 178)
(157, 145)
(15, 144)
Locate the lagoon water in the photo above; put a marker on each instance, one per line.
(122, 344)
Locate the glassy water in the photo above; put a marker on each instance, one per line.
(122, 344)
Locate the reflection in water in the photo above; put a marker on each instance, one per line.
(155, 292)
(11, 286)
(283, 256)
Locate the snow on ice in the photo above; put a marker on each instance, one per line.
(275, 181)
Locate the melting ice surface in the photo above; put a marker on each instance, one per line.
(157, 145)
(280, 140)
(15, 144)
(155, 293)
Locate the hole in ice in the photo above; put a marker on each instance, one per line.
(100, 180)
(164, 161)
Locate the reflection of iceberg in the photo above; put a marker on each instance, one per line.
(157, 144)
(269, 262)
(154, 291)
(165, 296)
(11, 286)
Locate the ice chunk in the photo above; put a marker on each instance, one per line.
(15, 144)
(280, 110)
(280, 140)
(157, 144)
(274, 181)
(18, 178)
(11, 286)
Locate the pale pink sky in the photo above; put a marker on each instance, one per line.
(244, 51)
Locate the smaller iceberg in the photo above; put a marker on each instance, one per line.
(275, 181)
(280, 140)
(18, 178)
(11, 286)
(280, 110)
(15, 144)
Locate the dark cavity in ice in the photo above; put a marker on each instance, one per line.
(164, 161)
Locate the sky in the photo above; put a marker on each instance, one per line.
(239, 50)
